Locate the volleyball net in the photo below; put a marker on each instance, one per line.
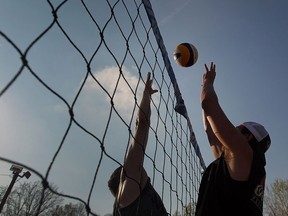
(72, 77)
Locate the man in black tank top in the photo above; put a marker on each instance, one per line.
(234, 183)
(129, 183)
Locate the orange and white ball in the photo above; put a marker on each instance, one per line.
(185, 54)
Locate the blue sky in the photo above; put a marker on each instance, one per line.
(247, 40)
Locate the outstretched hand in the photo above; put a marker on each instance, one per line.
(209, 76)
(148, 85)
(207, 92)
(144, 109)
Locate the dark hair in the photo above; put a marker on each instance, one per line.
(263, 145)
(259, 147)
(114, 181)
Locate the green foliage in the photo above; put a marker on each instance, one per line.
(24, 200)
(276, 198)
(68, 210)
(188, 210)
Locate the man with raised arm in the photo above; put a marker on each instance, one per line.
(129, 183)
(232, 185)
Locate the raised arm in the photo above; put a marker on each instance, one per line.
(134, 176)
(240, 153)
(215, 144)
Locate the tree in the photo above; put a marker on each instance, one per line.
(177, 213)
(68, 210)
(188, 210)
(276, 198)
(25, 199)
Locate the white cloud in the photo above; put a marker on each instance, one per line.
(58, 108)
(122, 90)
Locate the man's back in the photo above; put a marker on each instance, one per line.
(148, 203)
(221, 195)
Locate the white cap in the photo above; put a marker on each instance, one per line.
(258, 131)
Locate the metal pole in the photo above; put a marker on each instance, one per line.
(15, 176)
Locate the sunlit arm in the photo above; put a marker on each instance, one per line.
(134, 176)
(240, 153)
(215, 144)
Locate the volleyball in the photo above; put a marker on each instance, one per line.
(185, 54)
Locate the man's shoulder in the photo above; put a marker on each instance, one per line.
(147, 203)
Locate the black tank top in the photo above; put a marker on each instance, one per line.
(148, 203)
(220, 195)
